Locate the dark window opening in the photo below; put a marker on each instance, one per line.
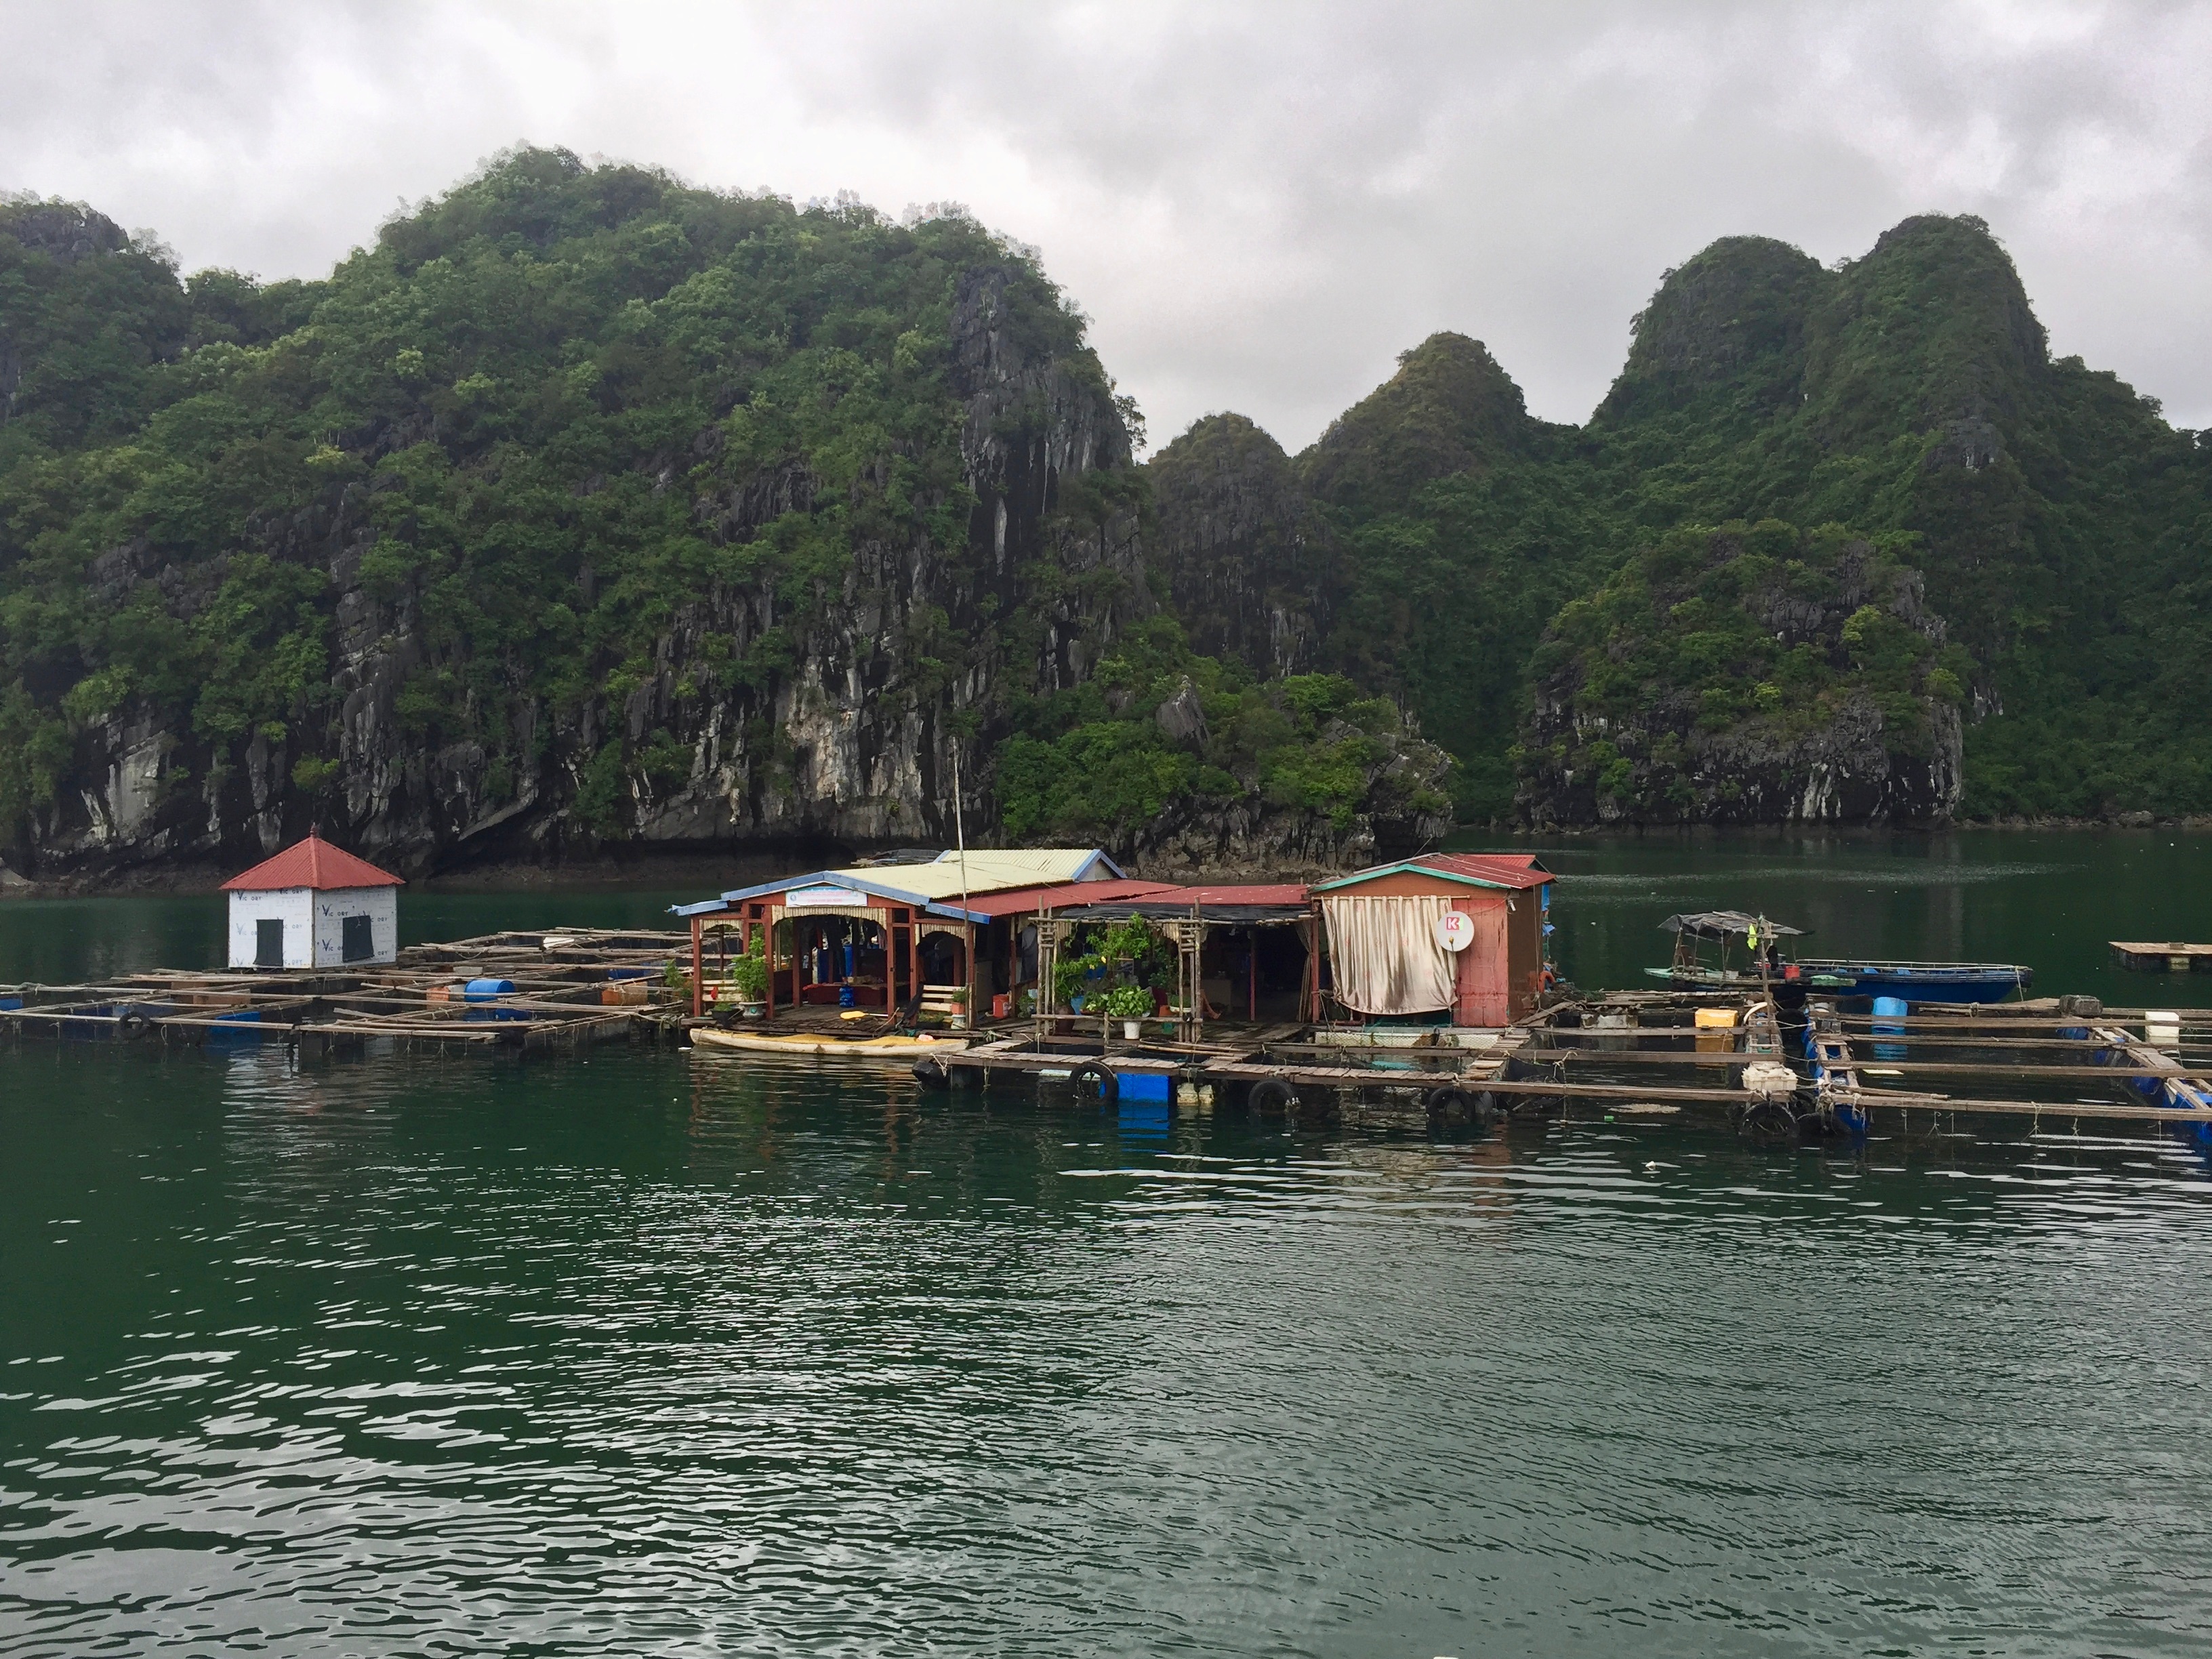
(269, 942)
(357, 941)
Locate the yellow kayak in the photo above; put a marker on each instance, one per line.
(800, 1043)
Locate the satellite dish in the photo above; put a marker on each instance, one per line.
(1455, 930)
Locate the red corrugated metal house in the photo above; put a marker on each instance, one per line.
(1392, 952)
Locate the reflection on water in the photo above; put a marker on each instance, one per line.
(650, 1355)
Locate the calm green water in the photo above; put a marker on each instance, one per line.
(653, 1354)
(2051, 900)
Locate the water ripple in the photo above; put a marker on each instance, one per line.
(643, 1355)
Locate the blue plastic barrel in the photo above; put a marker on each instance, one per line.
(1148, 1086)
(243, 1026)
(487, 990)
(1889, 1021)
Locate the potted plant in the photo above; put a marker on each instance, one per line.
(749, 975)
(957, 1019)
(1129, 1004)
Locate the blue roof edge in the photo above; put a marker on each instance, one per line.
(826, 878)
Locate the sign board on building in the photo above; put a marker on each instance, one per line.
(824, 897)
(1455, 930)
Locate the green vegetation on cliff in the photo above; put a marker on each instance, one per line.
(1711, 676)
(589, 500)
(582, 459)
(1908, 399)
(1157, 723)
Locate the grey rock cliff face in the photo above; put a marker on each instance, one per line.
(1237, 549)
(848, 742)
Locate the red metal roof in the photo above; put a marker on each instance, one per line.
(1511, 870)
(311, 863)
(1027, 901)
(1280, 892)
(1516, 870)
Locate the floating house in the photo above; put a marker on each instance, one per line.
(879, 935)
(1257, 955)
(313, 905)
(1458, 934)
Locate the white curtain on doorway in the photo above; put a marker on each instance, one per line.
(1383, 954)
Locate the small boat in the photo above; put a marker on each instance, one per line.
(890, 1046)
(1923, 981)
(1912, 981)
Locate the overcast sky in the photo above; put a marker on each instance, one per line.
(1260, 204)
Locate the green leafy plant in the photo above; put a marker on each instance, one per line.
(1127, 1002)
(748, 973)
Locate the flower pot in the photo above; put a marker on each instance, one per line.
(1132, 1029)
(753, 1010)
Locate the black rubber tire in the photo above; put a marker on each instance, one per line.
(1449, 1101)
(132, 1026)
(1451, 1104)
(1272, 1094)
(1770, 1120)
(1095, 1075)
(930, 1072)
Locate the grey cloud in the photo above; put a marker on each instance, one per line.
(1259, 204)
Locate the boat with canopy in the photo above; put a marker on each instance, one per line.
(1747, 952)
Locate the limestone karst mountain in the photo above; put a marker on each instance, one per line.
(583, 509)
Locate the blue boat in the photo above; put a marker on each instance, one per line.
(1923, 981)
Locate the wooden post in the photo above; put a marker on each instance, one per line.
(1252, 962)
(970, 963)
(1309, 976)
(770, 925)
(1049, 929)
(698, 967)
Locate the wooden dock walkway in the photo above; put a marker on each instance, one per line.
(2152, 956)
(571, 988)
(574, 988)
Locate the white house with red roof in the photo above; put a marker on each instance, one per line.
(313, 905)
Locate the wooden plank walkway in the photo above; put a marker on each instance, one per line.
(2152, 956)
(574, 988)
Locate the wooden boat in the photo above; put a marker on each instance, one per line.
(888, 1047)
(1912, 981)
(1923, 981)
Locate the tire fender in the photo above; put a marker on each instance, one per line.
(1095, 1073)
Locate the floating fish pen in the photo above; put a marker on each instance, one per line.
(551, 991)
(1778, 1072)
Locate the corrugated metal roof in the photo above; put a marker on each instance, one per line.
(1504, 869)
(1275, 892)
(1272, 902)
(1026, 900)
(1514, 872)
(990, 870)
(936, 885)
(313, 863)
(942, 880)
